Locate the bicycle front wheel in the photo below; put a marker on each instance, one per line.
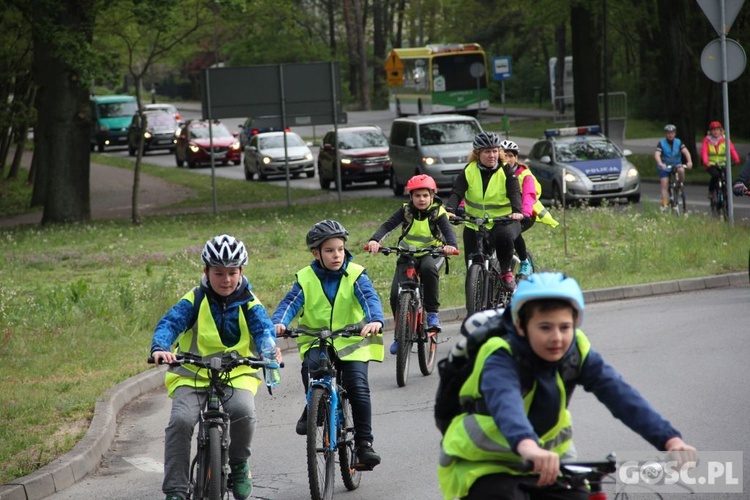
(349, 474)
(215, 470)
(405, 320)
(320, 460)
(426, 351)
(474, 288)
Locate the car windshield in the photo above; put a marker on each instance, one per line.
(160, 120)
(368, 139)
(200, 131)
(277, 141)
(448, 132)
(586, 150)
(117, 109)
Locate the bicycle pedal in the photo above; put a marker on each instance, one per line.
(362, 467)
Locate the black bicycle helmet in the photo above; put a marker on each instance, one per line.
(485, 140)
(325, 230)
(224, 251)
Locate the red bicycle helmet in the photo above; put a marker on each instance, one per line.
(714, 124)
(421, 181)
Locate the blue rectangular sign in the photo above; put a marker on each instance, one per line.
(501, 67)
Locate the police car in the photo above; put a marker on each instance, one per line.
(582, 163)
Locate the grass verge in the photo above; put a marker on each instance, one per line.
(79, 303)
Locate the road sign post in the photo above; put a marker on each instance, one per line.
(502, 71)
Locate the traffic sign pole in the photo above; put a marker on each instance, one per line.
(725, 98)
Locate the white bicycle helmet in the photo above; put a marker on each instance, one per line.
(224, 251)
(509, 146)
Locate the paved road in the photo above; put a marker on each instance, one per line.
(690, 362)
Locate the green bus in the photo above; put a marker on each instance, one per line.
(441, 78)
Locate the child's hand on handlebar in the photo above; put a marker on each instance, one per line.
(163, 357)
(516, 216)
(546, 463)
(371, 329)
(373, 246)
(280, 329)
(449, 250)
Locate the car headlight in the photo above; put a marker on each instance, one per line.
(267, 160)
(309, 157)
(570, 177)
(194, 148)
(632, 173)
(344, 161)
(147, 135)
(235, 145)
(429, 160)
(177, 133)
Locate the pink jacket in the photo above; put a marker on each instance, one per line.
(528, 192)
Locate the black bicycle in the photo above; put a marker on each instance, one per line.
(209, 478)
(720, 205)
(677, 197)
(591, 475)
(330, 427)
(485, 288)
(411, 320)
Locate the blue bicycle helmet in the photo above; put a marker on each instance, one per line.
(547, 286)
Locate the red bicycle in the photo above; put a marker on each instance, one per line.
(411, 320)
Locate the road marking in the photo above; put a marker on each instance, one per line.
(145, 464)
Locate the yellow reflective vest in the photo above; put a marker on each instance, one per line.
(493, 202)
(419, 233)
(204, 339)
(319, 312)
(473, 446)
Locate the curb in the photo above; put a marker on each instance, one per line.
(85, 456)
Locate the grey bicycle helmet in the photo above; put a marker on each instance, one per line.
(224, 251)
(509, 146)
(670, 128)
(325, 230)
(485, 140)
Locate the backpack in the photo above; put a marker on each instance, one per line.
(454, 370)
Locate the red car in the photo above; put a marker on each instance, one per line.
(363, 156)
(193, 144)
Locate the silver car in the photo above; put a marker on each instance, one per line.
(595, 168)
(266, 156)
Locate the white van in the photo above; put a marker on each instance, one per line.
(436, 145)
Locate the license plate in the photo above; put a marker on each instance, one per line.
(370, 170)
(607, 186)
(219, 155)
(164, 141)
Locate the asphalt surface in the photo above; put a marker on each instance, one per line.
(111, 197)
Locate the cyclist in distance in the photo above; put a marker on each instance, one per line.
(423, 222)
(218, 316)
(714, 153)
(519, 389)
(489, 187)
(531, 207)
(741, 183)
(669, 154)
(334, 292)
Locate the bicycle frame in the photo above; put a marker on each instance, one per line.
(677, 200)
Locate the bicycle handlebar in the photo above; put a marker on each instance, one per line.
(577, 473)
(323, 333)
(435, 251)
(481, 221)
(225, 363)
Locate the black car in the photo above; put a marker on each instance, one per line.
(256, 125)
(158, 130)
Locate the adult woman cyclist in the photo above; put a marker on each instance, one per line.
(489, 188)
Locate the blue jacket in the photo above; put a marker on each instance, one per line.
(225, 311)
(368, 298)
(501, 390)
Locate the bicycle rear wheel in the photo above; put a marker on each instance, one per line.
(349, 474)
(320, 461)
(474, 286)
(405, 321)
(215, 470)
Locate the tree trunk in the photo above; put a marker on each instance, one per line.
(586, 66)
(61, 136)
(135, 213)
(351, 42)
(398, 41)
(379, 90)
(331, 13)
(561, 50)
(364, 85)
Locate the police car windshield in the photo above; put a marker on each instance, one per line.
(586, 150)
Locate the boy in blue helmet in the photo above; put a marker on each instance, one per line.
(519, 390)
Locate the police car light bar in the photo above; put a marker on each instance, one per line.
(591, 129)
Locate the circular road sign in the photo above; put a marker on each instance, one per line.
(711, 60)
(477, 70)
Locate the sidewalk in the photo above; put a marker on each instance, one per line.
(85, 456)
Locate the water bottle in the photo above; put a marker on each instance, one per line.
(271, 371)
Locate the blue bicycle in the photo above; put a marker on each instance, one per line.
(330, 427)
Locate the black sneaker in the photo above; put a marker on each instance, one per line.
(367, 458)
(301, 428)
